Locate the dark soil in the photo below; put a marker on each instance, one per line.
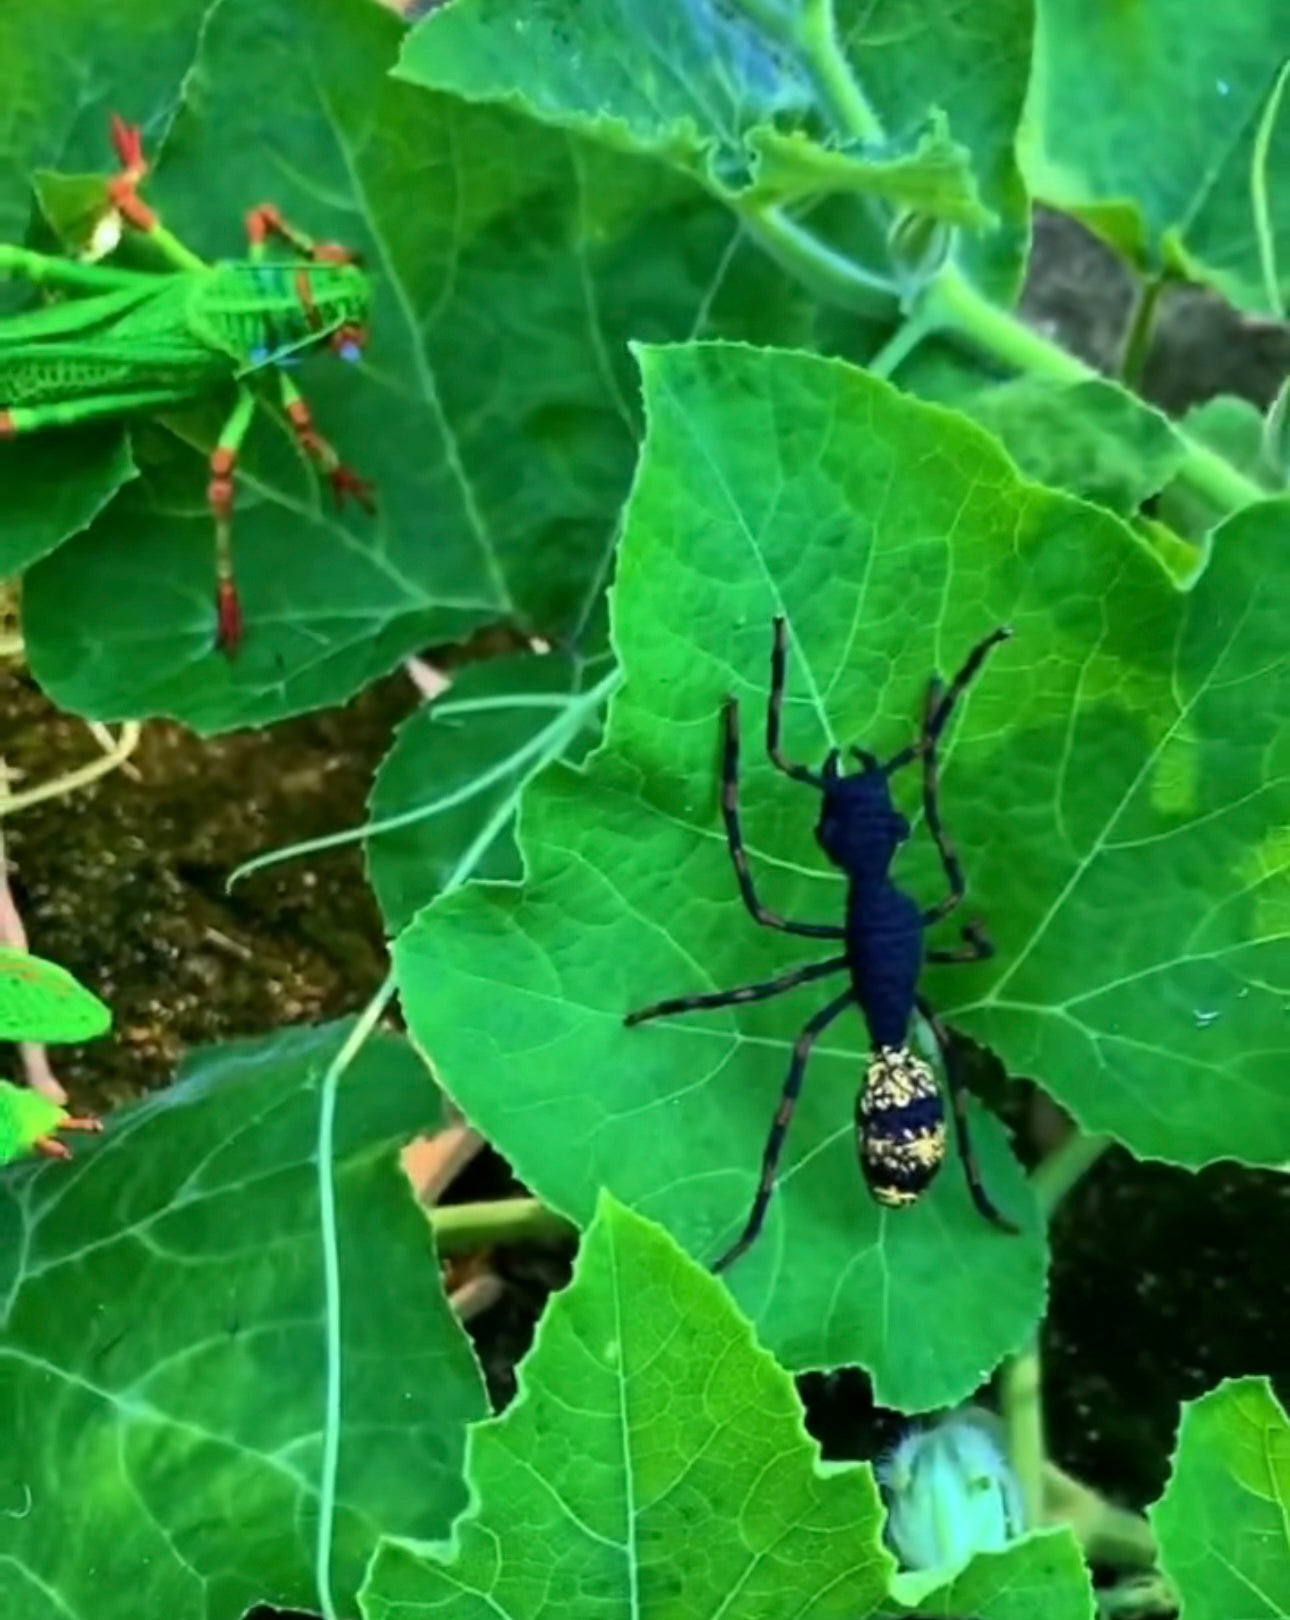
(1163, 1282)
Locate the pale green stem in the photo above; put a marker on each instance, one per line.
(817, 36)
(1055, 1175)
(1023, 1420)
(330, 1466)
(831, 276)
(899, 346)
(1263, 227)
(72, 781)
(459, 1228)
(1108, 1534)
(1137, 343)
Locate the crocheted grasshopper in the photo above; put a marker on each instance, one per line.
(124, 341)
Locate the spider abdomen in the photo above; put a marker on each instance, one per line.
(900, 1126)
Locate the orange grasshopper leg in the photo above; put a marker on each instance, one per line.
(219, 495)
(52, 1148)
(344, 480)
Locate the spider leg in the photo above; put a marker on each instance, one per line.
(932, 815)
(779, 1128)
(977, 947)
(741, 994)
(734, 839)
(934, 722)
(958, 1100)
(774, 708)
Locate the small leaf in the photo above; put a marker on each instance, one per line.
(165, 1322)
(40, 1001)
(1223, 1523)
(654, 1463)
(462, 759)
(1042, 1574)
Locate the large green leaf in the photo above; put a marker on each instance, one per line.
(54, 488)
(767, 100)
(165, 1328)
(1223, 1522)
(1145, 122)
(654, 1464)
(1115, 788)
(496, 409)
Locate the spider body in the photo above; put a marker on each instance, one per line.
(899, 1113)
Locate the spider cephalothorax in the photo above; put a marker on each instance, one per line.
(900, 1117)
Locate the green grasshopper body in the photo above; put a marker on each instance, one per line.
(129, 341)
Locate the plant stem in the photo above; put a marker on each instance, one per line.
(1137, 342)
(954, 307)
(817, 36)
(1055, 1175)
(1023, 1421)
(829, 275)
(459, 1228)
(1108, 1534)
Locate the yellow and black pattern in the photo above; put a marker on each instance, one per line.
(900, 1123)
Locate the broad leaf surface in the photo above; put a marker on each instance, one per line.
(495, 410)
(164, 1327)
(1223, 1523)
(755, 96)
(1042, 1574)
(1145, 123)
(458, 765)
(653, 1464)
(54, 487)
(1114, 786)
(731, 93)
(41, 1001)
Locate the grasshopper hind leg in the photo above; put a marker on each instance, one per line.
(223, 460)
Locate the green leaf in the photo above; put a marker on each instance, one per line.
(1118, 761)
(1223, 1523)
(932, 177)
(1146, 119)
(496, 410)
(40, 1001)
(1042, 1574)
(458, 765)
(1093, 438)
(54, 488)
(165, 1324)
(654, 1463)
(763, 100)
